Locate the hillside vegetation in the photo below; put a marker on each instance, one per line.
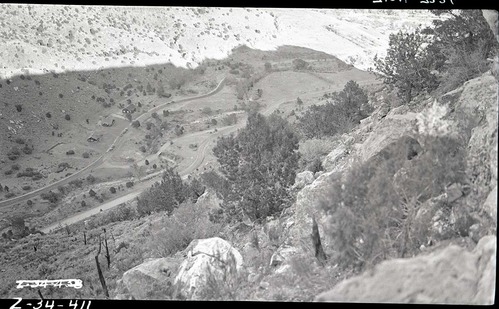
(318, 182)
(85, 37)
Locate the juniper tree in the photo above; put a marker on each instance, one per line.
(408, 65)
(260, 166)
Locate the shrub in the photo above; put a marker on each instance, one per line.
(26, 187)
(120, 213)
(67, 117)
(300, 64)
(113, 190)
(15, 167)
(77, 183)
(174, 233)
(28, 172)
(27, 150)
(268, 66)
(29, 202)
(50, 196)
(13, 154)
(339, 115)
(85, 155)
(8, 172)
(179, 130)
(91, 179)
(83, 204)
(462, 44)
(143, 148)
(230, 119)
(129, 184)
(146, 162)
(10, 194)
(92, 193)
(207, 110)
(62, 166)
(372, 208)
(19, 107)
(70, 152)
(62, 189)
(48, 115)
(315, 166)
(164, 196)
(135, 124)
(314, 149)
(179, 79)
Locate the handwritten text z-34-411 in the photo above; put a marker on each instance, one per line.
(51, 304)
(420, 1)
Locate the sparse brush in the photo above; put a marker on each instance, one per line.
(224, 281)
(175, 232)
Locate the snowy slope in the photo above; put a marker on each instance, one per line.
(43, 38)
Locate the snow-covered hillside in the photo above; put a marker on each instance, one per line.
(43, 38)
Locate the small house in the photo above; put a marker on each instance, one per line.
(93, 137)
(108, 123)
(129, 109)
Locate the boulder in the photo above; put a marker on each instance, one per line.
(451, 275)
(493, 159)
(206, 260)
(302, 179)
(490, 205)
(209, 199)
(331, 161)
(338, 159)
(282, 254)
(387, 131)
(307, 206)
(486, 250)
(453, 192)
(478, 108)
(152, 279)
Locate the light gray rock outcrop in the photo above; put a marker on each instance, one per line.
(452, 275)
(211, 257)
(302, 179)
(151, 280)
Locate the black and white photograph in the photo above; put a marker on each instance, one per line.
(260, 154)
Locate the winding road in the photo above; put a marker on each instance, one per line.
(100, 160)
(148, 180)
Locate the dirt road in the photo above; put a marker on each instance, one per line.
(88, 169)
(206, 138)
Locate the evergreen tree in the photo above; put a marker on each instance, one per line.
(163, 196)
(259, 164)
(408, 64)
(461, 44)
